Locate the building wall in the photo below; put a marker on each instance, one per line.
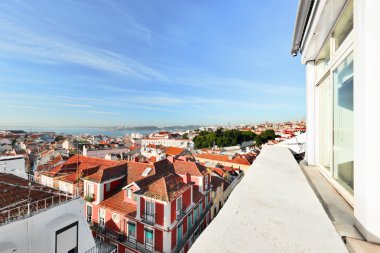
(36, 234)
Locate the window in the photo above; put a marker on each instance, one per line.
(89, 213)
(131, 231)
(90, 189)
(343, 123)
(189, 221)
(149, 211)
(180, 233)
(117, 246)
(344, 26)
(66, 238)
(129, 193)
(108, 187)
(100, 238)
(102, 215)
(148, 237)
(179, 206)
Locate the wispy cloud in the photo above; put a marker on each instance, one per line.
(28, 107)
(76, 105)
(17, 40)
(104, 112)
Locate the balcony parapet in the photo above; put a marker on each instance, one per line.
(273, 209)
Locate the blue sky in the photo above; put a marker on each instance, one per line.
(135, 62)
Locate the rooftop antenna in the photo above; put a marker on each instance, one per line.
(4, 164)
(30, 189)
(77, 193)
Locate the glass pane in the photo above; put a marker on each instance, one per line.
(343, 159)
(344, 26)
(323, 59)
(325, 124)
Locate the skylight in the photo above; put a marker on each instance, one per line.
(146, 172)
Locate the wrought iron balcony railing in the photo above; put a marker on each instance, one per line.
(180, 213)
(12, 214)
(102, 247)
(193, 228)
(123, 239)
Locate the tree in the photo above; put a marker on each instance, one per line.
(59, 138)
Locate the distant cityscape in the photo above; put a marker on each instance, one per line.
(151, 190)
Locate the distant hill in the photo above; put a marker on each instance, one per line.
(155, 128)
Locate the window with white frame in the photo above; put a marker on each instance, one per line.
(116, 245)
(149, 238)
(179, 205)
(89, 213)
(108, 187)
(131, 231)
(100, 238)
(129, 193)
(334, 81)
(102, 217)
(90, 189)
(149, 211)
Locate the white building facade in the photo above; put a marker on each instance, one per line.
(339, 42)
(13, 165)
(178, 143)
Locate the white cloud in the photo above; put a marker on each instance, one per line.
(17, 40)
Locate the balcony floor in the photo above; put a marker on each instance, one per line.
(273, 209)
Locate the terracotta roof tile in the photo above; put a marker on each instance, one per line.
(14, 192)
(165, 188)
(116, 203)
(197, 196)
(174, 151)
(193, 168)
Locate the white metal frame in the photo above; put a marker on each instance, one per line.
(336, 57)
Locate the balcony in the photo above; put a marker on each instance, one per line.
(126, 240)
(89, 198)
(149, 218)
(272, 209)
(102, 247)
(180, 213)
(192, 230)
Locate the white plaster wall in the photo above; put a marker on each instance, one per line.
(367, 117)
(37, 233)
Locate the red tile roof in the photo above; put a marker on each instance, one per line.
(173, 151)
(136, 169)
(165, 188)
(109, 173)
(14, 192)
(224, 158)
(219, 171)
(116, 203)
(197, 196)
(193, 168)
(217, 182)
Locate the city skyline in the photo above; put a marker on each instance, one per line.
(148, 64)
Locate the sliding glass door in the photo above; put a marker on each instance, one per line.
(343, 110)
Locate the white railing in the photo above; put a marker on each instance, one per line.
(28, 209)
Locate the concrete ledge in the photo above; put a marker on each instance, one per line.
(273, 209)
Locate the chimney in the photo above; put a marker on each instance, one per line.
(187, 178)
